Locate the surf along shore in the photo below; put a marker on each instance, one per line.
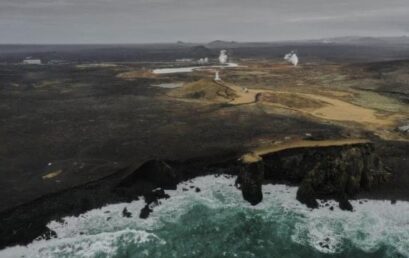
(349, 167)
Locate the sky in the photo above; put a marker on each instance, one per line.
(148, 21)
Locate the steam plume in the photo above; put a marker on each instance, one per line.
(292, 58)
(223, 57)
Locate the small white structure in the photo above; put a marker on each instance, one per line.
(217, 76)
(292, 58)
(30, 61)
(223, 58)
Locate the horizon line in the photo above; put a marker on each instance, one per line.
(208, 42)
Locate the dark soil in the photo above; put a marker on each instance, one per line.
(89, 124)
(96, 131)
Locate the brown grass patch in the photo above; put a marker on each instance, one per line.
(290, 100)
(204, 89)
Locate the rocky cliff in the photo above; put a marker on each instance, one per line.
(338, 172)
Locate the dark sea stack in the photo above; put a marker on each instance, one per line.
(250, 180)
(344, 204)
(145, 212)
(306, 194)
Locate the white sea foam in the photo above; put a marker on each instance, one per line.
(102, 244)
(373, 224)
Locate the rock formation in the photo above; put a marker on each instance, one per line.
(332, 172)
(335, 172)
(250, 180)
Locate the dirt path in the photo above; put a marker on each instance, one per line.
(245, 96)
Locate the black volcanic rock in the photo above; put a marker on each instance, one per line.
(145, 212)
(155, 195)
(336, 172)
(341, 173)
(126, 213)
(156, 172)
(250, 180)
(344, 204)
(306, 194)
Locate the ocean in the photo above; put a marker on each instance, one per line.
(217, 222)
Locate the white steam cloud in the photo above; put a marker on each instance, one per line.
(292, 58)
(223, 57)
(203, 60)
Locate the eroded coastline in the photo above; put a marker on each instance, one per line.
(349, 170)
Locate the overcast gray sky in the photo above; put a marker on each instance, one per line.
(140, 21)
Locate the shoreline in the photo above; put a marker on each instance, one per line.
(219, 197)
(24, 223)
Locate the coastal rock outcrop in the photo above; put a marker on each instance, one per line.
(334, 172)
(331, 172)
(250, 180)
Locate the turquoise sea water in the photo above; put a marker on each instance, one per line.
(216, 222)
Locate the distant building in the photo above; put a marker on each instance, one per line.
(30, 61)
(184, 60)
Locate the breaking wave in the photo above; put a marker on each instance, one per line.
(207, 217)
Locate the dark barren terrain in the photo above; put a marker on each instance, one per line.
(93, 129)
